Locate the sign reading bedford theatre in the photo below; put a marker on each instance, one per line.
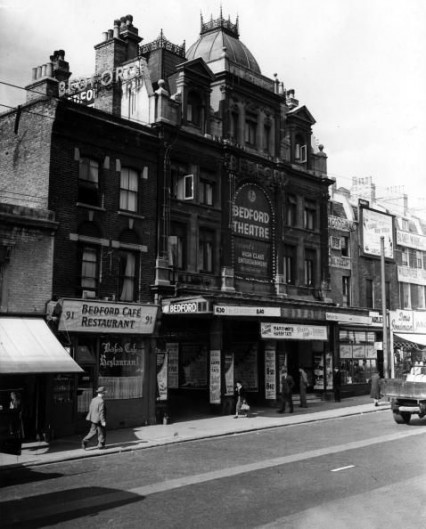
(107, 317)
(251, 226)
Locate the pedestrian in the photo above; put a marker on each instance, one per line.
(240, 396)
(97, 418)
(337, 381)
(375, 388)
(287, 385)
(16, 426)
(303, 385)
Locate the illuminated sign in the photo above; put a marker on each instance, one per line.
(189, 306)
(286, 331)
(234, 310)
(107, 317)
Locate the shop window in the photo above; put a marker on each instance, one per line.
(89, 271)
(358, 357)
(194, 109)
(206, 189)
(88, 182)
(250, 130)
(291, 210)
(129, 183)
(309, 215)
(309, 268)
(121, 367)
(127, 275)
(289, 264)
(193, 366)
(369, 293)
(205, 251)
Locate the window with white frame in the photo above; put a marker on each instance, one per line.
(89, 269)
(88, 182)
(129, 189)
(300, 150)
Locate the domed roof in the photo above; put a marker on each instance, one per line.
(216, 35)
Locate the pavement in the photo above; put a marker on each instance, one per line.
(205, 427)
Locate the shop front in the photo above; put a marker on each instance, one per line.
(113, 344)
(33, 364)
(359, 344)
(407, 340)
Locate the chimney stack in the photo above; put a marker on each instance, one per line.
(45, 78)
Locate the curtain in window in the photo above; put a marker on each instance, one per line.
(129, 189)
(129, 277)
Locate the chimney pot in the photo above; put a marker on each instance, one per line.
(105, 35)
(116, 32)
(49, 69)
(43, 70)
(39, 74)
(34, 73)
(110, 33)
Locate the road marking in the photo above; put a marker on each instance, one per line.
(108, 499)
(342, 468)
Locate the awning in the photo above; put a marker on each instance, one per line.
(416, 341)
(27, 345)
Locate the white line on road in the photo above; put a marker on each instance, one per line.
(342, 468)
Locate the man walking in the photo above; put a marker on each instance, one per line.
(97, 418)
(287, 385)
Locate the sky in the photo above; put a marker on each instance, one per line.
(359, 66)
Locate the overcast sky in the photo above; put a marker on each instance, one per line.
(358, 65)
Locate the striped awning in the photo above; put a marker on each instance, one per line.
(27, 345)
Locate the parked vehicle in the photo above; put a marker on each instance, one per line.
(407, 394)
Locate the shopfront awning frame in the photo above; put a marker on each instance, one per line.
(415, 341)
(28, 346)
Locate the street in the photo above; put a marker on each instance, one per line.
(360, 471)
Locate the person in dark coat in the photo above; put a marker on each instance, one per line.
(240, 396)
(337, 382)
(303, 386)
(287, 385)
(97, 418)
(375, 388)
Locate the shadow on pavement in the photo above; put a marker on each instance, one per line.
(58, 507)
(20, 475)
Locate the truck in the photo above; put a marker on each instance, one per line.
(407, 394)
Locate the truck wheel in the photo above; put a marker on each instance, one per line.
(402, 418)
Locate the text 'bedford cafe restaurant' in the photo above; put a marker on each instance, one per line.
(111, 342)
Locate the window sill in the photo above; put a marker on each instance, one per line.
(130, 214)
(89, 206)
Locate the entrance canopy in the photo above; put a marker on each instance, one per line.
(416, 341)
(27, 345)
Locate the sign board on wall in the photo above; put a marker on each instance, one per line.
(270, 371)
(376, 225)
(173, 364)
(236, 310)
(162, 372)
(251, 226)
(107, 317)
(288, 331)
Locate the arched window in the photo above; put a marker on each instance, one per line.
(194, 109)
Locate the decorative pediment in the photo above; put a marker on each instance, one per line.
(303, 114)
(197, 69)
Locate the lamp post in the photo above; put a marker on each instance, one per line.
(384, 315)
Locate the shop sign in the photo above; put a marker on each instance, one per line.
(420, 322)
(417, 276)
(251, 225)
(412, 240)
(401, 320)
(338, 261)
(348, 318)
(215, 375)
(285, 331)
(235, 310)
(229, 374)
(270, 371)
(376, 225)
(107, 317)
(339, 223)
(173, 364)
(190, 306)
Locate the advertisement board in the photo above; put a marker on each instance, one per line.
(215, 375)
(376, 225)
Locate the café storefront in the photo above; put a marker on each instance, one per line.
(407, 340)
(113, 344)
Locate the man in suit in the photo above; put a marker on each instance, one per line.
(287, 385)
(97, 418)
